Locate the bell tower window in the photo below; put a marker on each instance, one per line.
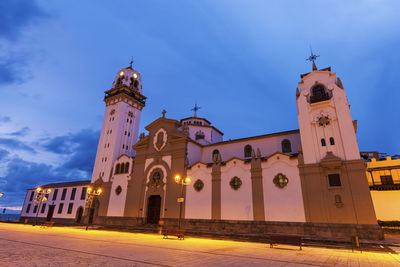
(199, 135)
(318, 94)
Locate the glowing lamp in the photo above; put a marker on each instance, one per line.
(48, 191)
(39, 189)
(135, 75)
(99, 191)
(121, 73)
(187, 180)
(177, 179)
(89, 190)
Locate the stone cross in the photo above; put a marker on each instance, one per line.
(163, 113)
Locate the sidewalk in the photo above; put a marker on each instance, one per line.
(22, 245)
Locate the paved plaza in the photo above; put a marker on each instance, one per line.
(25, 245)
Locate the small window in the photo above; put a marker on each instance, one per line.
(122, 167)
(70, 206)
(123, 146)
(215, 154)
(323, 143)
(32, 194)
(55, 194)
(43, 208)
(386, 179)
(334, 179)
(127, 120)
(247, 151)
(127, 167)
(60, 208)
(64, 193)
(129, 133)
(130, 121)
(73, 192)
(199, 135)
(286, 146)
(83, 193)
(332, 141)
(117, 169)
(125, 132)
(35, 209)
(28, 208)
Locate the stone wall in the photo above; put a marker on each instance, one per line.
(229, 228)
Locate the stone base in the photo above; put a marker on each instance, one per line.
(228, 228)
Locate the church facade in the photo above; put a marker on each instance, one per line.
(306, 181)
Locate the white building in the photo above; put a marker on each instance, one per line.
(313, 175)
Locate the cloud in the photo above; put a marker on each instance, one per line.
(16, 16)
(78, 148)
(5, 119)
(24, 131)
(16, 144)
(3, 153)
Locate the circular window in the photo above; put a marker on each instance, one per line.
(235, 183)
(280, 180)
(198, 185)
(118, 190)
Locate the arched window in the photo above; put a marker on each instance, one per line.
(122, 167)
(117, 169)
(318, 90)
(323, 143)
(127, 167)
(286, 146)
(247, 151)
(215, 154)
(135, 84)
(332, 141)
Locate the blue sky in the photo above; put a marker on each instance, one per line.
(240, 60)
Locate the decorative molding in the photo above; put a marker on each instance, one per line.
(160, 139)
(235, 183)
(280, 180)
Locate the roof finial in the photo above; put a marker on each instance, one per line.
(312, 58)
(195, 109)
(163, 113)
(130, 63)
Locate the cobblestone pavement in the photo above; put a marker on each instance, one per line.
(25, 245)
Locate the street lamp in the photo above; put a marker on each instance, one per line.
(40, 197)
(182, 182)
(89, 201)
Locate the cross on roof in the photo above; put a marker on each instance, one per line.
(131, 62)
(163, 113)
(312, 58)
(195, 109)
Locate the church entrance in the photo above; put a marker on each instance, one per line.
(50, 213)
(153, 209)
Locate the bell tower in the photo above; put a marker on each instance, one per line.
(124, 103)
(332, 173)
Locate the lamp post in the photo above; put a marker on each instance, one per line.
(40, 197)
(89, 201)
(181, 181)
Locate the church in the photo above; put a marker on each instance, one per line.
(310, 181)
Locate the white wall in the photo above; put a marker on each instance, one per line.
(267, 145)
(198, 204)
(77, 202)
(284, 204)
(236, 204)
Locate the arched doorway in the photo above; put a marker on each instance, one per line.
(79, 213)
(94, 210)
(153, 209)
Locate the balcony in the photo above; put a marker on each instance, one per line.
(319, 97)
(135, 95)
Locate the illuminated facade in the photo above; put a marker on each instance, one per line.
(313, 175)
